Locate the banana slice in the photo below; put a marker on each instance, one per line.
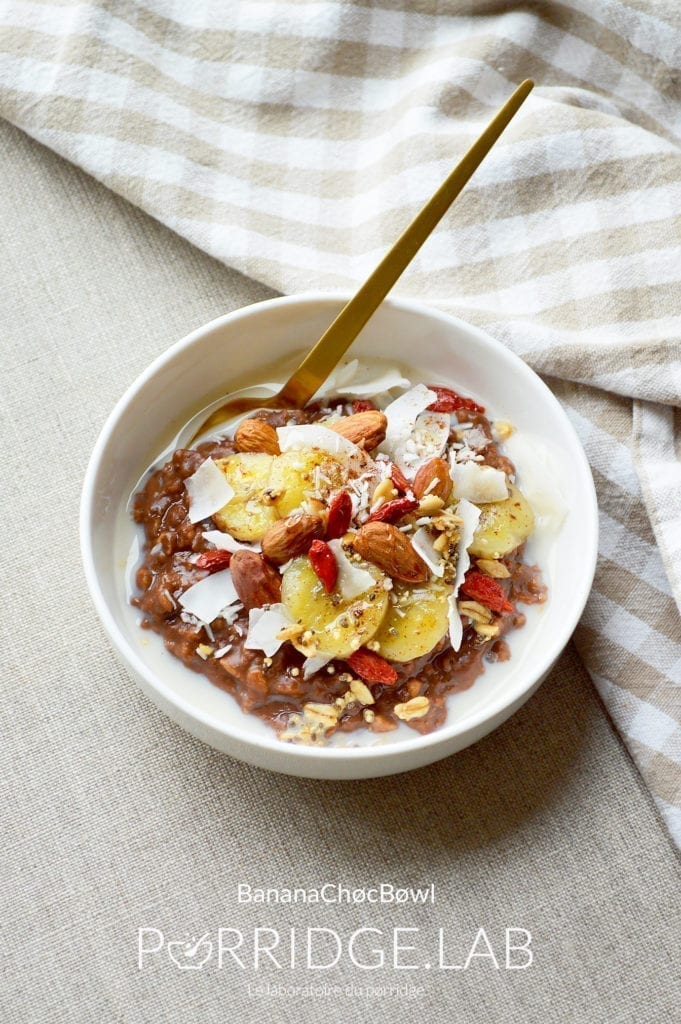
(338, 627)
(416, 622)
(503, 526)
(300, 475)
(252, 509)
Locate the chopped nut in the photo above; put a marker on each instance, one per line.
(488, 631)
(315, 506)
(475, 611)
(295, 671)
(324, 715)
(502, 430)
(204, 651)
(361, 691)
(374, 645)
(448, 521)
(441, 543)
(429, 505)
(413, 687)
(368, 715)
(384, 492)
(417, 707)
(301, 733)
(493, 568)
(267, 662)
(306, 643)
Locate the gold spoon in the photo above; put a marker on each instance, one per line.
(334, 343)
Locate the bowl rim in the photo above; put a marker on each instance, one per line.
(449, 730)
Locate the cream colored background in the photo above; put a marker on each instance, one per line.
(115, 819)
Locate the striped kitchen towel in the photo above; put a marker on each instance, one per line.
(294, 140)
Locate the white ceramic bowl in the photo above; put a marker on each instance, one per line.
(243, 347)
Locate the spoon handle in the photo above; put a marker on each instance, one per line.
(336, 340)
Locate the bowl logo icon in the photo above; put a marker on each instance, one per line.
(191, 955)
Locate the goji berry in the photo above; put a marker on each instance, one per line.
(340, 514)
(324, 563)
(450, 401)
(372, 667)
(362, 405)
(399, 479)
(487, 591)
(214, 561)
(393, 510)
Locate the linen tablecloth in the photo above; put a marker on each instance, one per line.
(293, 141)
(114, 819)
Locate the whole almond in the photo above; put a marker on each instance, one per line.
(256, 436)
(363, 428)
(433, 478)
(256, 582)
(389, 549)
(291, 536)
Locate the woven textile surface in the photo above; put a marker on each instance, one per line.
(114, 819)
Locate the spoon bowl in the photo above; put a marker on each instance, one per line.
(167, 394)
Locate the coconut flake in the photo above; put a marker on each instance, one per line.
(208, 491)
(476, 439)
(263, 626)
(428, 440)
(356, 380)
(403, 413)
(207, 598)
(455, 624)
(298, 436)
(352, 581)
(414, 434)
(231, 613)
(225, 542)
(470, 516)
(423, 542)
(478, 483)
(314, 664)
(223, 650)
(361, 490)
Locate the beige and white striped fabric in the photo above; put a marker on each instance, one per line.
(293, 140)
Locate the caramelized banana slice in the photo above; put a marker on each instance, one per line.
(300, 475)
(416, 622)
(251, 510)
(503, 526)
(337, 627)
